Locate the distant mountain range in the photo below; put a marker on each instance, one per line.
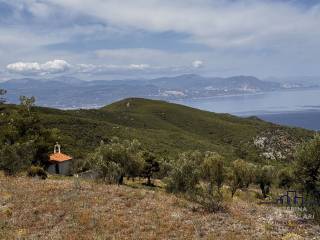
(69, 92)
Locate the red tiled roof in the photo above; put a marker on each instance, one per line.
(59, 157)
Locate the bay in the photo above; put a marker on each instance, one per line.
(298, 108)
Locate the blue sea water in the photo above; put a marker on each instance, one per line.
(299, 108)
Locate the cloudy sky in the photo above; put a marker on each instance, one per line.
(111, 39)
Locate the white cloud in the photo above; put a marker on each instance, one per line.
(24, 67)
(110, 68)
(149, 56)
(131, 70)
(139, 66)
(35, 68)
(197, 64)
(55, 66)
(259, 37)
(100, 69)
(215, 23)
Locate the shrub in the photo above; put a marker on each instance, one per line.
(150, 166)
(307, 165)
(285, 178)
(264, 178)
(23, 139)
(241, 176)
(307, 170)
(185, 174)
(116, 160)
(210, 201)
(15, 158)
(36, 171)
(213, 171)
(165, 167)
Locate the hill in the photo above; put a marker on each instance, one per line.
(168, 129)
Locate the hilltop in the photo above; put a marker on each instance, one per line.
(167, 129)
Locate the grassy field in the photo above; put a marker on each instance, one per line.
(65, 208)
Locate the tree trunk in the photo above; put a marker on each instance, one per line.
(120, 180)
(149, 181)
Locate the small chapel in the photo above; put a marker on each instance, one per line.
(59, 163)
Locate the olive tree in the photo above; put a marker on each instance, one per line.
(241, 175)
(307, 172)
(185, 174)
(116, 160)
(285, 177)
(264, 178)
(307, 165)
(150, 166)
(213, 170)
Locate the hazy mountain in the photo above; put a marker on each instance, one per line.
(69, 92)
(297, 81)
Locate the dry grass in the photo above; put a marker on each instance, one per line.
(59, 209)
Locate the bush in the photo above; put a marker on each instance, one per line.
(165, 168)
(210, 201)
(213, 171)
(307, 165)
(264, 178)
(116, 160)
(307, 170)
(285, 178)
(15, 158)
(150, 166)
(185, 174)
(241, 176)
(36, 171)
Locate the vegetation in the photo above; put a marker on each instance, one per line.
(36, 171)
(242, 174)
(185, 173)
(199, 177)
(213, 171)
(307, 170)
(162, 128)
(2, 94)
(264, 178)
(153, 137)
(116, 160)
(286, 178)
(151, 166)
(23, 138)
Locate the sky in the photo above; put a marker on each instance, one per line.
(120, 39)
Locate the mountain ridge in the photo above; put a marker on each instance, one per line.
(68, 92)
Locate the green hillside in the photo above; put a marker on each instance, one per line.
(162, 127)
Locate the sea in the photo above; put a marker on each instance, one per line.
(296, 108)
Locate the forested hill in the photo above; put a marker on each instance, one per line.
(167, 129)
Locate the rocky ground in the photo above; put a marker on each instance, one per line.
(71, 209)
